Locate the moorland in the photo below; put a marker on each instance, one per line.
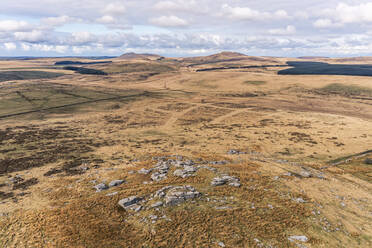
(226, 150)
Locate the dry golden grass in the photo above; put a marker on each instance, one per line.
(200, 116)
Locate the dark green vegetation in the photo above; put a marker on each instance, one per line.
(83, 70)
(18, 99)
(69, 62)
(347, 90)
(320, 68)
(24, 75)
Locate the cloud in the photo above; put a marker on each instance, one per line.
(116, 8)
(57, 21)
(11, 25)
(344, 14)
(181, 6)
(33, 36)
(82, 38)
(168, 21)
(246, 13)
(325, 23)
(285, 31)
(354, 14)
(106, 19)
(10, 46)
(267, 27)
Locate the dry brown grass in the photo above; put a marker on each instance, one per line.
(200, 116)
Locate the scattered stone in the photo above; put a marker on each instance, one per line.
(235, 184)
(137, 208)
(186, 172)
(221, 244)
(217, 181)
(299, 200)
(298, 238)
(218, 162)
(179, 163)
(235, 152)
(158, 176)
(130, 202)
(144, 171)
(343, 204)
(157, 204)
(100, 187)
(223, 207)
(305, 174)
(116, 183)
(258, 242)
(270, 206)
(153, 217)
(233, 181)
(179, 194)
(161, 192)
(16, 179)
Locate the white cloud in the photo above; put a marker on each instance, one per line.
(169, 21)
(11, 25)
(57, 21)
(33, 36)
(116, 8)
(246, 13)
(10, 46)
(324, 23)
(106, 19)
(212, 25)
(285, 31)
(83, 37)
(345, 14)
(25, 47)
(166, 5)
(354, 14)
(180, 5)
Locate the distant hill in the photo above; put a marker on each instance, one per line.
(145, 56)
(312, 57)
(225, 57)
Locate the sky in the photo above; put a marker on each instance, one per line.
(177, 28)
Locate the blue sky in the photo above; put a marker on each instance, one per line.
(186, 27)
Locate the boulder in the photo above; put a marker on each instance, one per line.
(157, 204)
(100, 187)
(157, 176)
(179, 194)
(233, 181)
(144, 171)
(116, 183)
(129, 202)
(301, 238)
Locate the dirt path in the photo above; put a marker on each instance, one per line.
(223, 117)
